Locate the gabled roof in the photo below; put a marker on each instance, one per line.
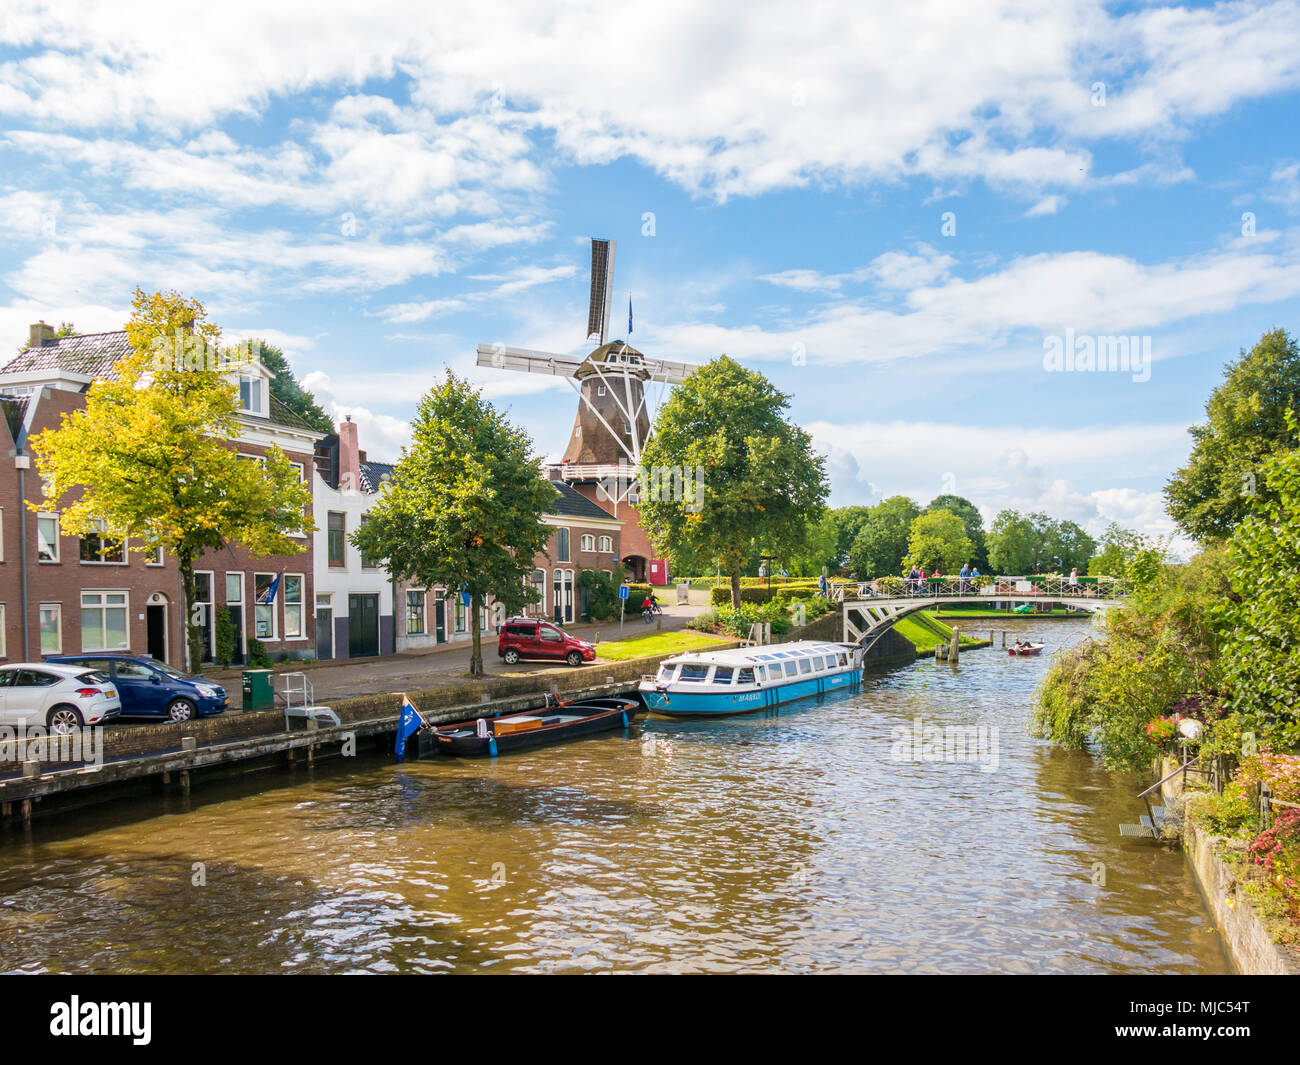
(570, 503)
(373, 474)
(94, 354)
(91, 354)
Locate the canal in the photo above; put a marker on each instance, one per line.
(822, 838)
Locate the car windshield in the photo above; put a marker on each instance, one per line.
(163, 667)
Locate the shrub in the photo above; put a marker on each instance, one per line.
(602, 594)
(225, 639)
(257, 656)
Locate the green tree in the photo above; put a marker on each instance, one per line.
(1012, 544)
(1261, 646)
(820, 550)
(938, 541)
(285, 387)
(848, 524)
(464, 504)
(881, 543)
(763, 484)
(1245, 426)
(1064, 545)
(970, 517)
(151, 457)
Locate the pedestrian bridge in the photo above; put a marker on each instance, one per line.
(882, 604)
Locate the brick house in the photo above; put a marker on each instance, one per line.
(61, 593)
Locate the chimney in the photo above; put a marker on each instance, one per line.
(349, 457)
(39, 334)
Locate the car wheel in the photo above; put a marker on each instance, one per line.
(573, 658)
(64, 719)
(511, 657)
(181, 710)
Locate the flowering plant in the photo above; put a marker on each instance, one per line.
(1161, 729)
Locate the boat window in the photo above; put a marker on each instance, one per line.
(694, 672)
(844, 659)
(791, 668)
(722, 675)
(666, 673)
(805, 665)
(766, 658)
(746, 676)
(826, 662)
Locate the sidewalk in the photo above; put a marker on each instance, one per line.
(448, 663)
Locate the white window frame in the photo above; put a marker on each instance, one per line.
(210, 603)
(258, 385)
(423, 593)
(156, 558)
(58, 613)
(104, 607)
(126, 552)
(606, 545)
(460, 614)
(283, 597)
(275, 614)
(58, 535)
(3, 643)
(586, 542)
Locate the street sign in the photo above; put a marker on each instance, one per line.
(622, 591)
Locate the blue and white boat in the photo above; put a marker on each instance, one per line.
(749, 678)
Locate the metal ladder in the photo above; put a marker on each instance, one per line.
(299, 701)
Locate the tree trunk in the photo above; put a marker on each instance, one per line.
(476, 656)
(186, 564)
(735, 586)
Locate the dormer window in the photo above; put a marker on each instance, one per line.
(250, 394)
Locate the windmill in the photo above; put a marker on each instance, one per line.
(614, 417)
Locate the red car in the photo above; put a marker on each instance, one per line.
(532, 638)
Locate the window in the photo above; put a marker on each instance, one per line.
(368, 561)
(47, 538)
(293, 606)
(538, 581)
(746, 677)
(3, 653)
(549, 634)
(337, 530)
(462, 624)
(483, 619)
(154, 557)
(51, 628)
(606, 545)
(415, 613)
(805, 665)
(562, 546)
(694, 673)
(264, 611)
(103, 621)
(107, 550)
(234, 587)
(250, 393)
(791, 669)
(600, 390)
(723, 675)
(588, 543)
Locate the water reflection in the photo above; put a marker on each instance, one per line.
(788, 841)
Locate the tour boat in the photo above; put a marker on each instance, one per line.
(1025, 649)
(532, 728)
(744, 679)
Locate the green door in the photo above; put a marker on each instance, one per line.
(363, 625)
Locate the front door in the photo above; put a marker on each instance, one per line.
(236, 613)
(363, 625)
(440, 620)
(156, 631)
(325, 633)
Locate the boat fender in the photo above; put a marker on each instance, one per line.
(625, 721)
(481, 728)
(492, 746)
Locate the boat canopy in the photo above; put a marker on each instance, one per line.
(745, 656)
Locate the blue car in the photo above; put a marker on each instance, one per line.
(149, 688)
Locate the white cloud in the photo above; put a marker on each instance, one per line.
(1047, 205)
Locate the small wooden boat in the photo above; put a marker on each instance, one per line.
(531, 728)
(1025, 649)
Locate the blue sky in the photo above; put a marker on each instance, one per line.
(379, 188)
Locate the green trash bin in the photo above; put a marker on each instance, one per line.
(258, 693)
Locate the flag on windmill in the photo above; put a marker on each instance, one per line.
(629, 314)
(408, 724)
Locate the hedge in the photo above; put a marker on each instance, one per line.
(762, 593)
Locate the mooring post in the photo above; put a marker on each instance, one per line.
(185, 781)
(954, 648)
(1004, 637)
(27, 811)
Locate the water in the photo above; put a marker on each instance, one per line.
(783, 842)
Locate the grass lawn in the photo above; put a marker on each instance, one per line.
(655, 643)
(924, 631)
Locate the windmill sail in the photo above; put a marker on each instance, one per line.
(602, 287)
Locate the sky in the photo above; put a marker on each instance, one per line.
(898, 213)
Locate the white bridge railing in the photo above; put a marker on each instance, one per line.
(1053, 587)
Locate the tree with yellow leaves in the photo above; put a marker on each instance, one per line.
(151, 455)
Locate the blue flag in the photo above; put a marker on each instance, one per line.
(409, 724)
(271, 589)
(629, 316)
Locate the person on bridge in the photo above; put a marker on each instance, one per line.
(1074, 581)
(965, 577)
(914, 579)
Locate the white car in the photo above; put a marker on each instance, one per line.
(60, 697)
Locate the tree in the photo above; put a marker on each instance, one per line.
(881, 544)
(820, 550)
(762, 482)
(970, 517)
(151, 457)
(464, 504)
(938, 542)
(1065, 545)
(1012, 543)
(1261, 626)
(1246, 425)
(848, 524)
(285, 388)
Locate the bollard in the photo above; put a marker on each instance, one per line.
(188, 743)
(1004, 637)
(31, 768)
(954, 648)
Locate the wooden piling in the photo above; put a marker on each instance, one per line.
(954, 648)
